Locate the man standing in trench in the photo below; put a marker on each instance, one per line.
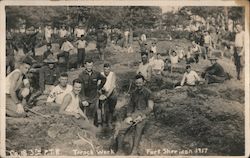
(140, 106)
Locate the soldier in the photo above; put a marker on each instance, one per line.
(101, 42)
(140, 106)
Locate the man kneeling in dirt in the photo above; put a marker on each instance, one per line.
(215, 73)
(16, 93)
(140, 106)
(70, 106)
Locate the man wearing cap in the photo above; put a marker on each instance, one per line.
(91, 83)
(101, 41)
(215, 73)
(14, 84)
(48, 75)
(145, 69)
(239, 50)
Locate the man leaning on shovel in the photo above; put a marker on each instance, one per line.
(140, 106)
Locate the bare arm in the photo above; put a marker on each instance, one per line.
(66, 100)
(183, 79)
(14, 81)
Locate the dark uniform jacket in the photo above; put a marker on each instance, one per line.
(48, 76)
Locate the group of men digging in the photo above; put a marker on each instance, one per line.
(93, 96)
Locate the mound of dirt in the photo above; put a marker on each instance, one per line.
(55, 132)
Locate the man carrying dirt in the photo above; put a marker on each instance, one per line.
(145, 69)
(215, 73)
(15, 91)
(101, 41)
(91, 82)
(239, 50)
(57, 94)
(140, 106)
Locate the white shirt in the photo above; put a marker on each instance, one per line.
(126, 33)
(79, 32)
(190, 78)
(174, 59)
(153, 49)
(157, 64)
(81, 44)
(67, 46)
(63, 33)
(57, 94)
(239, 39)
(8, 81)
(74, 104)
(48, 32)
(143, 37)
(110, 83)
(207, 39)
(144, 70)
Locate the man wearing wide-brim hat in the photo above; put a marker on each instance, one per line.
(48, 75)
(215, 73)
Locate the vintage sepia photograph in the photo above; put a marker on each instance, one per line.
(125, 80)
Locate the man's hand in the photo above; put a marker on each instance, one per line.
(138, 119)
(77, 115)
(20, 109)
(129, 120)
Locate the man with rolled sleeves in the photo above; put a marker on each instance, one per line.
(139, 108)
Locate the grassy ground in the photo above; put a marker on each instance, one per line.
(205, 120)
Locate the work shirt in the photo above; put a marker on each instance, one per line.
(58, 93)
(48, 76)
(239, 39)
(190, 78)
(81, 44)
(145, 70)
(89, 83)
(217, 70)
(139, 100)
(67, 46)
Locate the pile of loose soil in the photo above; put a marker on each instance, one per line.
(55, 132)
